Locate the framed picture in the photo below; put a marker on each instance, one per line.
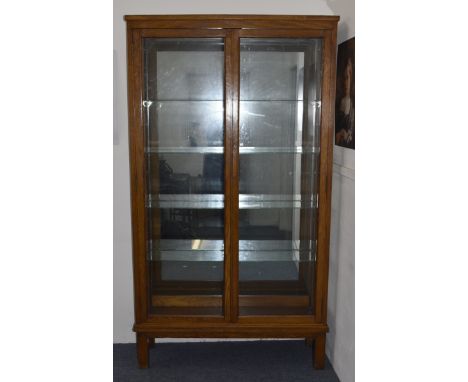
(345, 134)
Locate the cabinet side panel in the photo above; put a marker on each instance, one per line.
(326, 167)
(137, 175)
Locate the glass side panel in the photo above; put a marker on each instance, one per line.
(280, 100)
(184, 120)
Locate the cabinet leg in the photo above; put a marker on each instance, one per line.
(319, 352)
(142, 351)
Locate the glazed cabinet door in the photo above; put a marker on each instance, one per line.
(279, 147)
(183, 117)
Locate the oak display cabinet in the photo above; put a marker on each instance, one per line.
(231, 142)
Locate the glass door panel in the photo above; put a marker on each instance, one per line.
(278, 174)
(184, 121)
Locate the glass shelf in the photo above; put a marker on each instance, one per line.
(216, 201)
(185, 150)
(286, 150)
(213, 250)
(242, 150)
(250, 201)
(310, 103)
(149, 103)
(201, 201)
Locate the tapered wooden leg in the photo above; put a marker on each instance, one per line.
(319, 352)
(142, 351)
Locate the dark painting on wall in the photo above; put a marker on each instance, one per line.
(345, 134)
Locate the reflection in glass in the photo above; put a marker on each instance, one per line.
(184, 120)
(279, 147)
(186, 124)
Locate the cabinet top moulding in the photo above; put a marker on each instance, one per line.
(231, 21)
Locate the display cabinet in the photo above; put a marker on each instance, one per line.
(231, 139)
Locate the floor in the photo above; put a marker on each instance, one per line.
(247, 361)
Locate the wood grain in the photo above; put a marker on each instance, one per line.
(319, 352)
(137, 174)
(244, 301)
(326, 173)
(232, 330)
(292, 22)
(142, 350)
(228, 184)
(234, 86)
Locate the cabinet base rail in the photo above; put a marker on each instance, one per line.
(230, 330)
(314, 335)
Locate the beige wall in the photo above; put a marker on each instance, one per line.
(340, 339)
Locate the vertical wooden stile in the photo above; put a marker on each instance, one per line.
(326, 168)
(233, 85)
(228, 254)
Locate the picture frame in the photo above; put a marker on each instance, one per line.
(345, 134)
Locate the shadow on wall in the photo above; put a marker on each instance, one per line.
(116, 98)
(333, 270)
(344, 9)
